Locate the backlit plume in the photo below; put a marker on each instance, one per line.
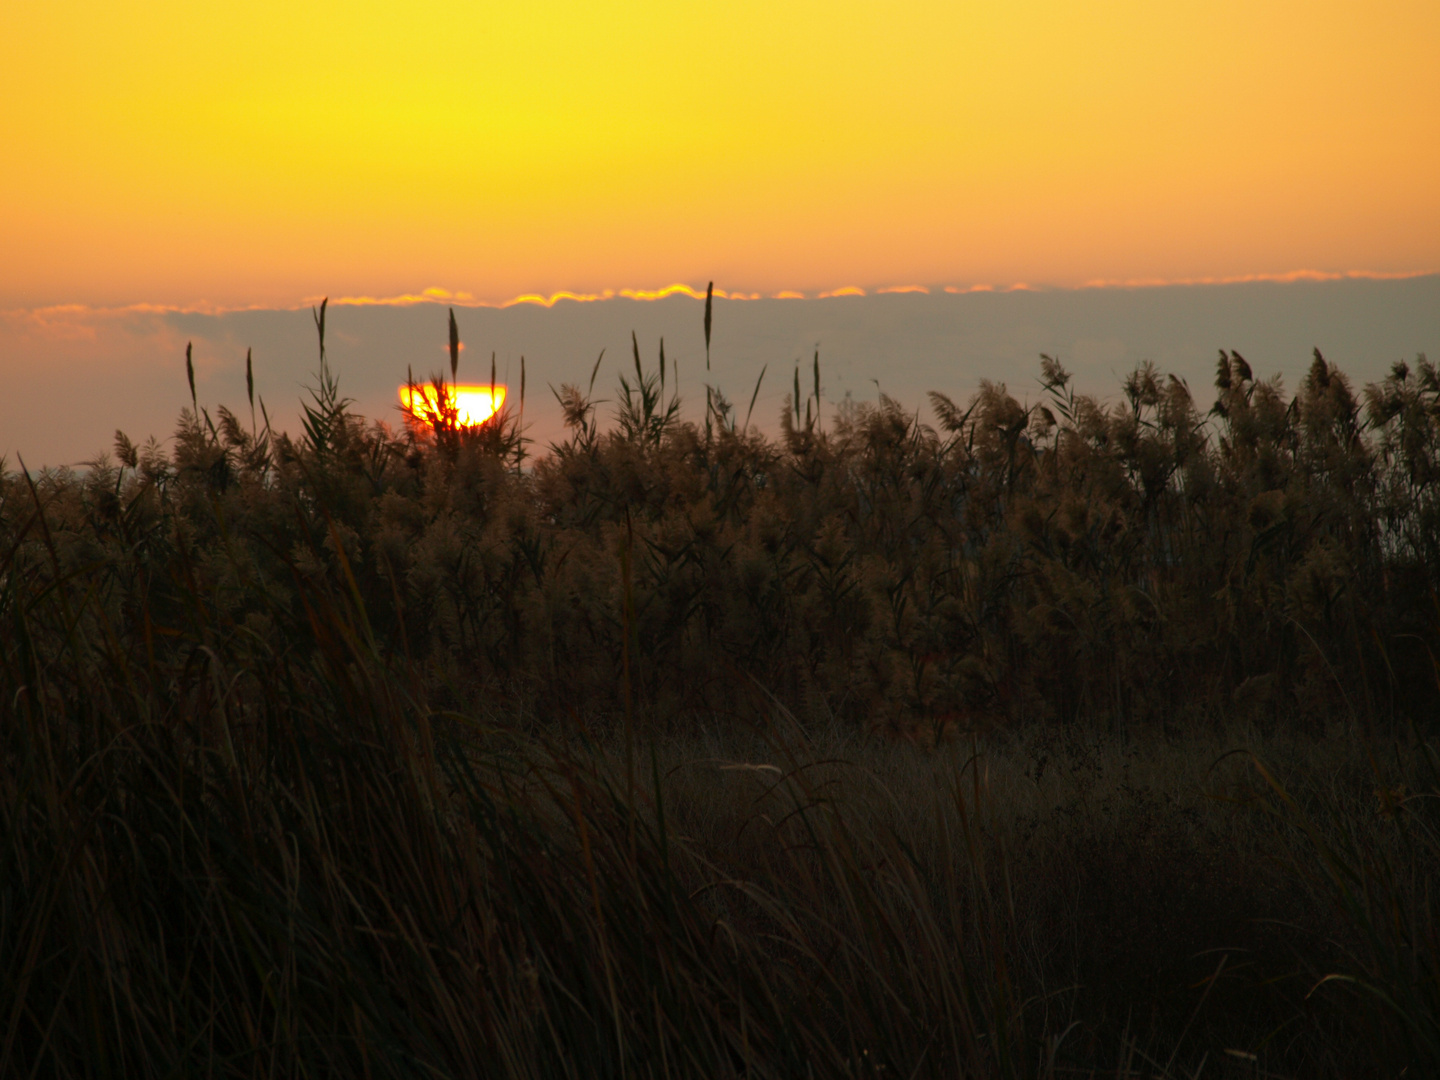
(472, 404)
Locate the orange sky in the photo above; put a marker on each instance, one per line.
(263, 153)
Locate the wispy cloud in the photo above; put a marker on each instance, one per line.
(437, 295)
(80, 322)
(1289, 277)
(75, 320)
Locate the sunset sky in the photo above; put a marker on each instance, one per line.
(261, 153)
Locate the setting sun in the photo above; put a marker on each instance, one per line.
(473, 404)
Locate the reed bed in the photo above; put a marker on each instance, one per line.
(1050, 740)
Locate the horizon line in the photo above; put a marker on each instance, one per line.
(441, 296)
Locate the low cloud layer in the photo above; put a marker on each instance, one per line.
(73, 375)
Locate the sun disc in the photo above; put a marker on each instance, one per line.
(473, 404)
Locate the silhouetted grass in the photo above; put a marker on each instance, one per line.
(877, 750)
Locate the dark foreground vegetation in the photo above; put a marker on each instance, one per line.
(1050, 739)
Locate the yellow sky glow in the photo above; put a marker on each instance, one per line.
(262, 153)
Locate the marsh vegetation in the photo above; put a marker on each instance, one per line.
(1056, 737)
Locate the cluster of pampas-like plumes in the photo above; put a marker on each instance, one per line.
(1136, 564)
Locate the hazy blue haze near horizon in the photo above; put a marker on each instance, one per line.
(127, 370)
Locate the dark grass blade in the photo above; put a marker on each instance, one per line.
(190, 375)
(455, 348)
(709, 299)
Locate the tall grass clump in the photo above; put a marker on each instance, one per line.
(1373, 870)
(877, 748)
(233, 855)
(1136, 563)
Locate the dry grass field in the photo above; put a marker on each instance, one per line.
(1068, 739)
